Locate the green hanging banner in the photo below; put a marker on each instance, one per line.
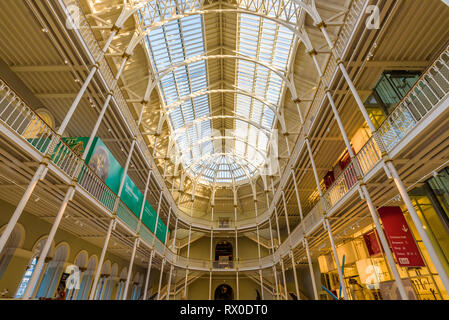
(104, 164)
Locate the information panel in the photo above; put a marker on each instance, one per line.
(400, 237)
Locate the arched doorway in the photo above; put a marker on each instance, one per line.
(224, 292)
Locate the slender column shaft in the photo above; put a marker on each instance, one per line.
(297, 194)
(385, 244)
(282, 262)
(312, 273)
(238, 284)
(211, 250)
(419, 226)
(142, 207)
(169, 282)
(261, 284)
(160, 279)
(291, 251)
(102, 113)
(315, 172)
(276, 282)
(312, 276)
(260, 264)
(295, 276)
(85, 84)
(125, 170)
(103, 254)
(274, 267)
(43, 254)
(340, 275)
(258, 248)
(210, 285)
(284, 279)
(237, 258)
(168, 224)
(40, 173)
(174, 236)
(188, 256)
(157, 218)
(337, 262)
(150, 262)
(130, 269)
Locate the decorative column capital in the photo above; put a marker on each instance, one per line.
(116, 28)
(126, 55)
(321, 24)
(312, 52)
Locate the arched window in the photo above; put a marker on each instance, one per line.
(137, 286)
(30, 269)
(81, 262)
(53, 273)
(99, 292)
(121, 284)
(26, 278)
(86, 279)
(15, 241)
(110, 282)
(134, 292)
(121, 289)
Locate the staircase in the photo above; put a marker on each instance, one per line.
(271, 287)
(179, 286)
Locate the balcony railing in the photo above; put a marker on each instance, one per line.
(18, 117)
(428, 91)
(368, 156)
(341, 186)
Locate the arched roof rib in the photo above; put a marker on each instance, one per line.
(179, 58)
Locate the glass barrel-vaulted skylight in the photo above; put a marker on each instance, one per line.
(270, 43)
(182, 39)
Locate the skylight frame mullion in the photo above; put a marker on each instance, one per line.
(190, 84)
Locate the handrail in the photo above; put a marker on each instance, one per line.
(427, 92)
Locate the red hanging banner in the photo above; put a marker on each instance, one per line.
(373, 246)
(400, 237)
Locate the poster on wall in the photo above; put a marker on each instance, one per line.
(104, 164)
(372, 244)
(400, 237)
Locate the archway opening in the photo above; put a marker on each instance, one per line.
(224, 292)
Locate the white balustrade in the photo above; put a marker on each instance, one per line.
(428, 91)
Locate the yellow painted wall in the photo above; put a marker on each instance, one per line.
(200, 249)
(199, 290)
